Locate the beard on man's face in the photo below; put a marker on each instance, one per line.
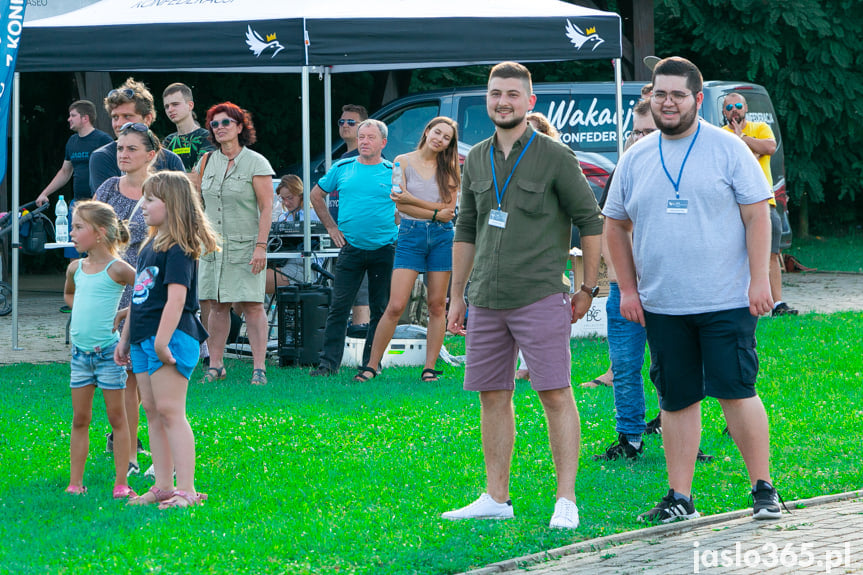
(685, 120)
(509, 123)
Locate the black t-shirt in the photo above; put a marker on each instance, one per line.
(155, 271)
(189, 146)
(78, 152)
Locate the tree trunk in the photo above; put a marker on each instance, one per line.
(803, 217)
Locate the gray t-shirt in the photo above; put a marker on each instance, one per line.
(693, 262)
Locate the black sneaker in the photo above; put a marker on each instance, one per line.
(783, 309)
(65, 309)
(321, 370)
(141, 449)
(654, 426)
(670, 509)
(109, 443)
(134, 469)
(765, 501)
(703, 457)
(621, 448)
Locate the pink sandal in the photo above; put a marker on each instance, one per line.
(76, 490)
(156, 496)
(183, 499)
(123, 492)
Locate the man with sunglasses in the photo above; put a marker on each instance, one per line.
(759, 138)
(688, 229)
(131, 103)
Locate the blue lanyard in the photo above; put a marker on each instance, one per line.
(686, 157)
(498, 191)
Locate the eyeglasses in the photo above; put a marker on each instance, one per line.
(738, 105)
(137, 126)
(343, 121)
(640, 133)
(676, 97)
(128, 92)
(225, 122)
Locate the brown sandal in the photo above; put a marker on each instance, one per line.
(153, 495)
(259, 377)
(214, 374)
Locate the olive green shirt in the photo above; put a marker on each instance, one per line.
(523, 262)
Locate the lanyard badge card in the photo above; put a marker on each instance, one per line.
(497, 218)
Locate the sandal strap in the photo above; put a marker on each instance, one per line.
(361, 374)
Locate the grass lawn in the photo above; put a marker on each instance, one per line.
(841, 254)
(325, 476)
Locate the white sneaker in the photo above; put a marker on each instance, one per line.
(565, 515)
(150, 473)
(483, 508)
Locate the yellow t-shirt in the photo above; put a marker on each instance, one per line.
(759, 131)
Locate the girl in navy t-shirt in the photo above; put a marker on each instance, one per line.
(164, 335)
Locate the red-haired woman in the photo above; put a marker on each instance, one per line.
(236, 184)
(426, 204)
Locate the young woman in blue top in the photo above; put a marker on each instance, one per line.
(94, 285)
(164, 334)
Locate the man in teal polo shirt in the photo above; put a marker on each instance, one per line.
(366, 232)
(521, 194)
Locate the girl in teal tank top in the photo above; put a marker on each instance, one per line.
(94, 285)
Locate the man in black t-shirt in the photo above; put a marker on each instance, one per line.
(190, 141)
(76, 162)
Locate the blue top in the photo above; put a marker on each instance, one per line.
(93, 309)
(366, 212)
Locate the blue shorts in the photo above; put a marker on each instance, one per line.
(424, 246)
(185, 349)
(97, 368)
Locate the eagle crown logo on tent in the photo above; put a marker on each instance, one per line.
(581, 38)
(257, 44)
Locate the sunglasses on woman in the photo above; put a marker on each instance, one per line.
(738, 105)
(137, 126)
(225, 122)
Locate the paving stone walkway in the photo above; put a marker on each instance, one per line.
(823, 536)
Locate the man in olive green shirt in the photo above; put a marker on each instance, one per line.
(521, 194)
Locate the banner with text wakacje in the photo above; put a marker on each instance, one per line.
(11, 24)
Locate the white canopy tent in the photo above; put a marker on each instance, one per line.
(288, 36)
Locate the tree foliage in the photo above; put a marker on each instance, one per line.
(808, 54)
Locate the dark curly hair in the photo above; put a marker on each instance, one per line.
(243, 118)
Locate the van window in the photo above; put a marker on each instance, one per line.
(585, 123)
(406, 127)
(760, 109)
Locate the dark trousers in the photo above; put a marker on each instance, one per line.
(351, 265)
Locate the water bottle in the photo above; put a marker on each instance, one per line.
(397, 178)
(61, 224)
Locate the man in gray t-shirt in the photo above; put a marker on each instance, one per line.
(695, 274)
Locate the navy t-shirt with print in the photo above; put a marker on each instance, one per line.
(155, 271)
(78, 152)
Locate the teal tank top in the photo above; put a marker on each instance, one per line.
(94, 307)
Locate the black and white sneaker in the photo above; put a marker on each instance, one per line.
(654, 426)
(765, 501)
(783, 309)
(620, 448)
(109, 443)
(671, 509)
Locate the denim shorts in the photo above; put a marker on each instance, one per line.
(185, 349)
(424, 246)
(97, 368)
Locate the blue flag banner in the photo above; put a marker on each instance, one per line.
(11, 25)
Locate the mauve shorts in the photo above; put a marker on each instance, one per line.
(541, 330)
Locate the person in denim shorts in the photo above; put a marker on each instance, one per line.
(426, 202)
(94, 285)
